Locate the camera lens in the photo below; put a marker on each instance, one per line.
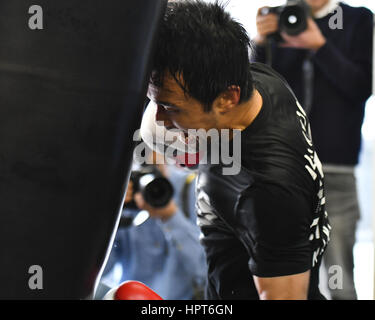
(293, 20)
(157, 191)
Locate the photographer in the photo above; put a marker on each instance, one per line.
(328, 66)
(164, 251)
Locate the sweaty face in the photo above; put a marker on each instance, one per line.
(177, 109)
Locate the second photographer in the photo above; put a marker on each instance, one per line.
(157, 242)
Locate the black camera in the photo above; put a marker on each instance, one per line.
(156, 190)
(292, 18)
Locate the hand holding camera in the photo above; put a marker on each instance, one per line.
(311, 38)
(267, 24)
(289, 25)
(149, 190)
(163, 213)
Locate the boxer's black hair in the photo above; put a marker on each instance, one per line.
(201, 43)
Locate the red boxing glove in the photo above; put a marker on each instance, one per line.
(132, 290)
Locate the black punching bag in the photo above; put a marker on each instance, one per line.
(71, 96)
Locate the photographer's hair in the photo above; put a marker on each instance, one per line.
(201, 43)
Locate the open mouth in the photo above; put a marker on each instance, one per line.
(186, 138)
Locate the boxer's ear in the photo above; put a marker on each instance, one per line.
(227, 100)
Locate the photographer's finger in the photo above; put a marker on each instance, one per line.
(129, 192)
(267, 30)
(287, 38)
(269, 18)
(263, 24)
(139, 201)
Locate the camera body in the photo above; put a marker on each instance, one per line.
(292, 18)
(156, 190)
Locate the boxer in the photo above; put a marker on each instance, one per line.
(265, 228)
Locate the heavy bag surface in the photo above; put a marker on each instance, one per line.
(71, 96)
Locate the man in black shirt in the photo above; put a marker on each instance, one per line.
(265, 228)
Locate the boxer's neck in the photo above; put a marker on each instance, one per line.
(246, 112)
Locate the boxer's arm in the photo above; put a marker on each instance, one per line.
(278, 222)
(292, 287)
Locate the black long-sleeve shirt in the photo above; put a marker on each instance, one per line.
(268, 220)
(342, 83)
